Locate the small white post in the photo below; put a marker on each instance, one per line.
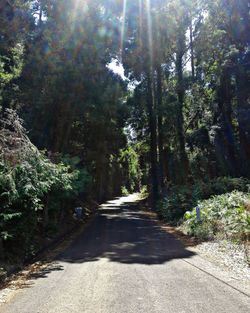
(198, 214)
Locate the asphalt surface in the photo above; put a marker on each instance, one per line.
(125, 263)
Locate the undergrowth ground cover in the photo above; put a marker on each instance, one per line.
(224, 205)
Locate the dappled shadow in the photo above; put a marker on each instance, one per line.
(122, 233)
(26, 278)
(44, 272)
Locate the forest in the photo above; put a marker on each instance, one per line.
(100, 98)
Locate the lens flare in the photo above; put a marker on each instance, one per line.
(140, 22)
(149, 30)
(124, 11)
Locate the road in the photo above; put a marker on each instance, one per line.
(125, 263)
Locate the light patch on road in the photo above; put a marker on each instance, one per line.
(124, 245)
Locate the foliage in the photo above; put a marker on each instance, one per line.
(31, 187)
(176, 123)
(144, 192)
(195, 121)
(226, 216)
(82, 181)
(129, 159)
(183, 198)
(124, 191)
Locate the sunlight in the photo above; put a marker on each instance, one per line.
(116, 67)
(140, 22)
(76, 7)
(149, 28)
(123, 25)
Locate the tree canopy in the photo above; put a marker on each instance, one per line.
(180, 113)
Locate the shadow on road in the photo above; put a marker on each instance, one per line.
(122, 233)
(26, 279)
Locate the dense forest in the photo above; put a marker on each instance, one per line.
(103, 97)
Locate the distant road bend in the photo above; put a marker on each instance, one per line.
(125, 263)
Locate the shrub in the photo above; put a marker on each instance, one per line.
(224, 215)
(144, 192)
(33, 190)
(175, 204)
(183, 198)
(124, 191)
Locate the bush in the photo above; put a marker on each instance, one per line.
(175, 204)
(144, 192)
(33, 190)
(24, 193)
(124, 191)
(225, 215)
(183, 198)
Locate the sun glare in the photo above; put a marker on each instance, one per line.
(149, 25)
(124, 11)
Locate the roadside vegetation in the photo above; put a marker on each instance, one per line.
(225, 216)
(224, 206)
(183, 198)
(35, 193)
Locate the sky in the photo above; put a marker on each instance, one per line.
(117, 68)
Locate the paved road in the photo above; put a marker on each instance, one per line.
(125, 263)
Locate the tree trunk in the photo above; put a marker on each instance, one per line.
(153, 141)
(225, 111)
(181, 93)
(192, 50)
(40, 13)
(243, 116)
(160, 130)
(1, 249)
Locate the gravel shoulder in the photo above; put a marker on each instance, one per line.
(229, 256)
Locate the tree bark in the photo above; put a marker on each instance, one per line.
(1, 249)
(153, 141)
(40, 13)
(192, 50)
(243, 115)
(225, 111)
(180, 94)
(160, 130)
